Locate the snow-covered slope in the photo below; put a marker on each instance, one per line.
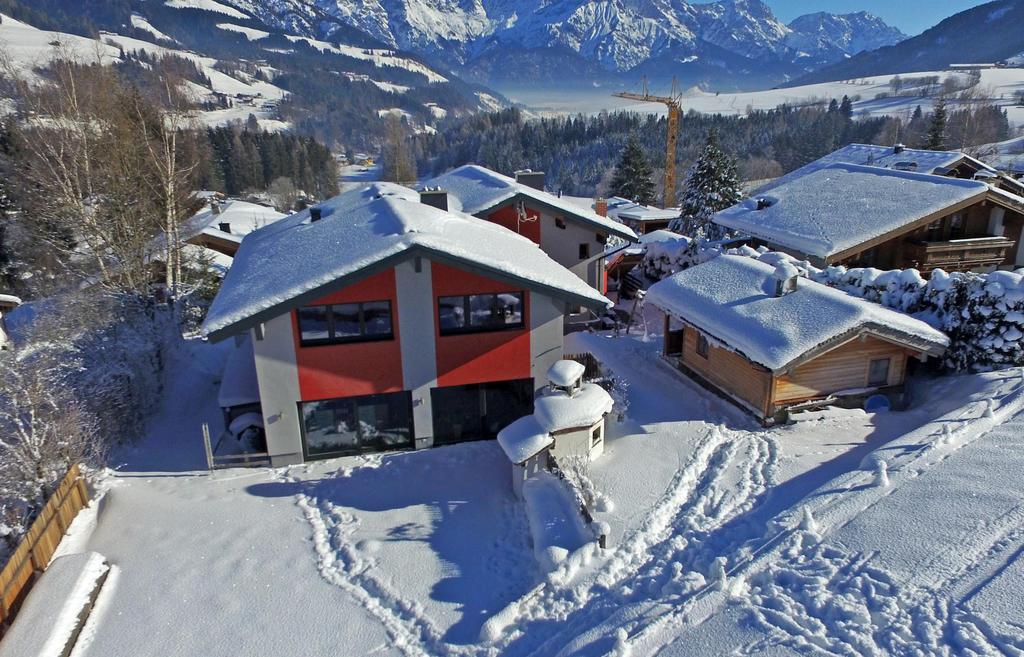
(615, 35)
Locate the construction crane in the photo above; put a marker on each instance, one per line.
(672, 102)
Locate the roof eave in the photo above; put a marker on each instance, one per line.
(625, 232)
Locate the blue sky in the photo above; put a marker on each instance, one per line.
(911, 16)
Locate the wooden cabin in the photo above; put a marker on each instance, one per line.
(767, 340)
(869, 216)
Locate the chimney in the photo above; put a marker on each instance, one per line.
(601, 207)
(785, 277)
(898, 148)
(435, 197)
(224, 227)
(215, 207)
(534, 179)
(315, 214)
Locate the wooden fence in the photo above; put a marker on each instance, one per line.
(592, 369)
(39, 543)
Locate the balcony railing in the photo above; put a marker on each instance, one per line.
(958, 255)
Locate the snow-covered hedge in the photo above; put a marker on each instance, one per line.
(983, 314)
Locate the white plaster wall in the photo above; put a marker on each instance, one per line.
(278, 379)
(546, 336)
(564, 247)
(576, 442)
(416, 317)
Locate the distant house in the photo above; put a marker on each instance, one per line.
(574, 236)
(641, 219)
(871, 216)
(221, 226)
(380, 322)
(767, 339)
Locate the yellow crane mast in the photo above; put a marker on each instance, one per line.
(672, 102)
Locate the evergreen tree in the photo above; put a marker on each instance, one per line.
(846, 107)
(712, 184)
(935, 140)
(833, 106)
(632, 177)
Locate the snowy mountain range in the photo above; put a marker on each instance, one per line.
(494, 40)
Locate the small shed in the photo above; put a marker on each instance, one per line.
(8, 302)
(768, 339)
(526, 445)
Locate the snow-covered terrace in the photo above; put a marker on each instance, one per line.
(732, 300)
(840, 206)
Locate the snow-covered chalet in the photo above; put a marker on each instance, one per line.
(889, 208)
(378, 321)
(574, 236)
(768, 339)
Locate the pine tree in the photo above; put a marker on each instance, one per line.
(712, 184)
(833, 106)
(632, 178)
(935, 140)
(846, 107)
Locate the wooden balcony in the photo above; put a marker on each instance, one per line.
(957, 255)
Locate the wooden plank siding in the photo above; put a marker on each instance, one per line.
(728, 371)
(842, 368)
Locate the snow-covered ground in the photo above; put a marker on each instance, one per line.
(998, 85)
(428, 553)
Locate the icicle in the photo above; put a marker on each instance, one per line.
(882, 474)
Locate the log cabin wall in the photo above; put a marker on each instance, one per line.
(843, 368)
(729, 371)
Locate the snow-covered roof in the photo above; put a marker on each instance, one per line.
(557, 411)
(565, 373)
(887, 157)
(242, 217)
(838, 207)
(623, 209)
(731, 299)
(523, 439)
(474, 189)
(238, 383)
(296, 260)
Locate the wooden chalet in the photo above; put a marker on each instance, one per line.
(870, 216)
(768, 340)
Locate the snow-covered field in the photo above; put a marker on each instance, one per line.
(998, 85)
(428, 553)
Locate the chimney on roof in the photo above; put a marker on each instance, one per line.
(435, 197)
(530, 178)
(214, 207)
(315, 214)
(898, 148)
(601, 207)
(224, 227)
(785, 277)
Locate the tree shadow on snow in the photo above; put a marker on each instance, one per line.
(472, 523)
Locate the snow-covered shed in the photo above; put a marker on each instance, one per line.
(872, 216)
(382, 322)
(8, 302)
(573, 235)
(768, 339)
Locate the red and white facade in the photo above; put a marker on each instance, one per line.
(380, 322)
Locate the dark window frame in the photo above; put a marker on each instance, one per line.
(331, 339)
(888, 370)
(703, 346)
(584, 251)
(468, 328)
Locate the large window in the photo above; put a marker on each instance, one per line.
(375, 423)
(479, 411)
(473, 313)
(345, 322)
(878, 372)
